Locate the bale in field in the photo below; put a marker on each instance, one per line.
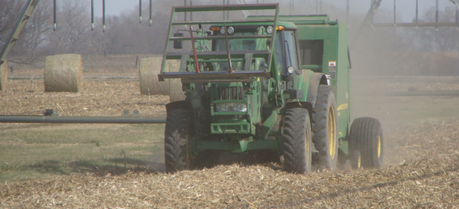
(149, 84)
(175, 89)
(63, 73)
(3, 76)
(148, 74)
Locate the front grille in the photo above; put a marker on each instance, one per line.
(221, 118)
(229, 93)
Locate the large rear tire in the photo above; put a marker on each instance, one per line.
(324, 127)
(297, 141)
(176, 151)
(367, 138)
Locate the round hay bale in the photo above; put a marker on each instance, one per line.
(148, 74)
(175, 85)
(63, 73)
(3, 76)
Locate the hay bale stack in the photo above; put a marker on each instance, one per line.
(175, 85)
(63, 73)
(3, 76)
(148, 74)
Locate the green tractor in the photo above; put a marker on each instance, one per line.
(275, 87)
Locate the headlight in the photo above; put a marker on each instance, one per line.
(291, 69)
(269, 29)
(230, 30)
(231, 107)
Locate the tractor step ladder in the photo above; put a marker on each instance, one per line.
(20, 24)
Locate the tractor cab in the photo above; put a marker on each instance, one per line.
(285, 45)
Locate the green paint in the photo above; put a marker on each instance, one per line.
(253, 54)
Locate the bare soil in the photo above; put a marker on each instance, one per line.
(421, 163)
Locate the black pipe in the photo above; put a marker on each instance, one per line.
(78, 119)
(103, 15)
(184, 4)
(191, 13)
(436, 14)
(151, 15)
(348, 7)
(417, 13)
(373, 5)
(92, 14)
(395, 13)
(223, 10)
(54, 15)
(317, 6)
(320, 6)
(227, 11)
(457, 18)
(140, 11)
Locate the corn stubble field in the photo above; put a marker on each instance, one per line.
(122, 165)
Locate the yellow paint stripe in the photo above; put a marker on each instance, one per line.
(343, 107)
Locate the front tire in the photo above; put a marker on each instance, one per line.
(297, 141)
(176, 141)
(367, 138)
(325, 129)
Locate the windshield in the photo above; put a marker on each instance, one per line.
(239, 45)
(235, 44)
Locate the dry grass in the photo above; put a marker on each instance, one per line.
(98, 97)
(427, 177)
(421, 169)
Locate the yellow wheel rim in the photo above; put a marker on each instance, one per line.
(331, 132)
(379, 146)
(359, 161)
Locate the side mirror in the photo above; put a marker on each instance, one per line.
(178, 43)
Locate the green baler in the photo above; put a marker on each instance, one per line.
(264, 86)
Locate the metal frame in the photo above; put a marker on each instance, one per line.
(369, 19)
(20, 24)
(224, 56)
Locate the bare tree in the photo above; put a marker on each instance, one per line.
(72, 34)
(33, 36)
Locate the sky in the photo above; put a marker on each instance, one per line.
(404, 7)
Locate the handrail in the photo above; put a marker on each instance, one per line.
(219, 37)
(231, 7)
(219, 54)
(211, 22)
